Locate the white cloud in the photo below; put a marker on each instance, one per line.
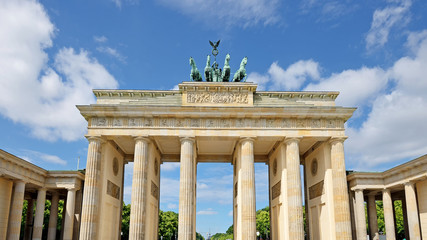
(208, 211)
(395, 128)
(169, 190)
(290, 79)
(40, 96)
(217, 189)
(169, 166)
(227, 13)
(230, 213)
(112, 52)
(395, 15)
(100, 39)
(30, 156)
(172, 206)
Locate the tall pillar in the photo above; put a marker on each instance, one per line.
(38, 219)
(53, 218)
(139, 189)
(14, 226)
(360, 215)
(29, 219)
(187, 187)
(388, 215)
(412, 211)
(339, 181)
(69, 214)
(5, 200)
(90, 210)
(296, 220)
(247, 190)
(373, 219)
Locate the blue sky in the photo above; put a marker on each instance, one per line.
(53, 53)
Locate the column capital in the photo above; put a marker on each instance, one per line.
(91, 138)
(358, 190)
(72, 189)
(142, 138)
(244, 139)
(187, 138)
(19, 181)
(292, 140)
(409, 183)
(337, 139)
(386, 190)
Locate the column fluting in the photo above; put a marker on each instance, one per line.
(412, 211)
(38, 218)
(248, 198)
(388, 215)
(53, 218)
(14, 227)
(29, 219)
(373, 219)
(360, 215)
(90, 209)
(187, 188)
(339, 182)
(139, 189)
(69, 214)
(296, 220)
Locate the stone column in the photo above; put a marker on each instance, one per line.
(412, 211)
(373, 219)
(247, 190)
(90, 208)
(296, 220)
(53, 218)
(339, 181)
(139, 189)
(14, 226)
(69, 214)
(388, 215)
(360, 215)
(38, 219)
(5, 202)
(29, 219)
(187, 186)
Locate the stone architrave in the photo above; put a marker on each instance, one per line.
(90, 210)
(187, 186)
(339, 181)
(296, 220)
(139, 189)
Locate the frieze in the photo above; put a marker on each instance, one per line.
(229, 123)
(218, 97)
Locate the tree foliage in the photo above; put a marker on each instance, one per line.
(125, 221)
(263, 222)
(168, 224)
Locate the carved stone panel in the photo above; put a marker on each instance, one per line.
(275, 190)
(155, 190)
(218, 97)
(316, 190)
(113, 190)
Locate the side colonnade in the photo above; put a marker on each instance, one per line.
(406, 183)
(22, 181)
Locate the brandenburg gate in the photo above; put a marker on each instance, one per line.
(228, 122)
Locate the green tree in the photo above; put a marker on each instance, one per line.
(263, 222)
(125, 221)
(199, 236)
(168, 224)
(230, 230)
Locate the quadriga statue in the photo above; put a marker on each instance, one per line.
(240, 75)
(195, 74)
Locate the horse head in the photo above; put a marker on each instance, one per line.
(244, 62)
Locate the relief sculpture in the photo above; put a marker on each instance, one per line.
(220, 97)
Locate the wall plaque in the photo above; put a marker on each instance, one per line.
(275, 190)
(113, 190)
(154, 190)
(316, 190)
